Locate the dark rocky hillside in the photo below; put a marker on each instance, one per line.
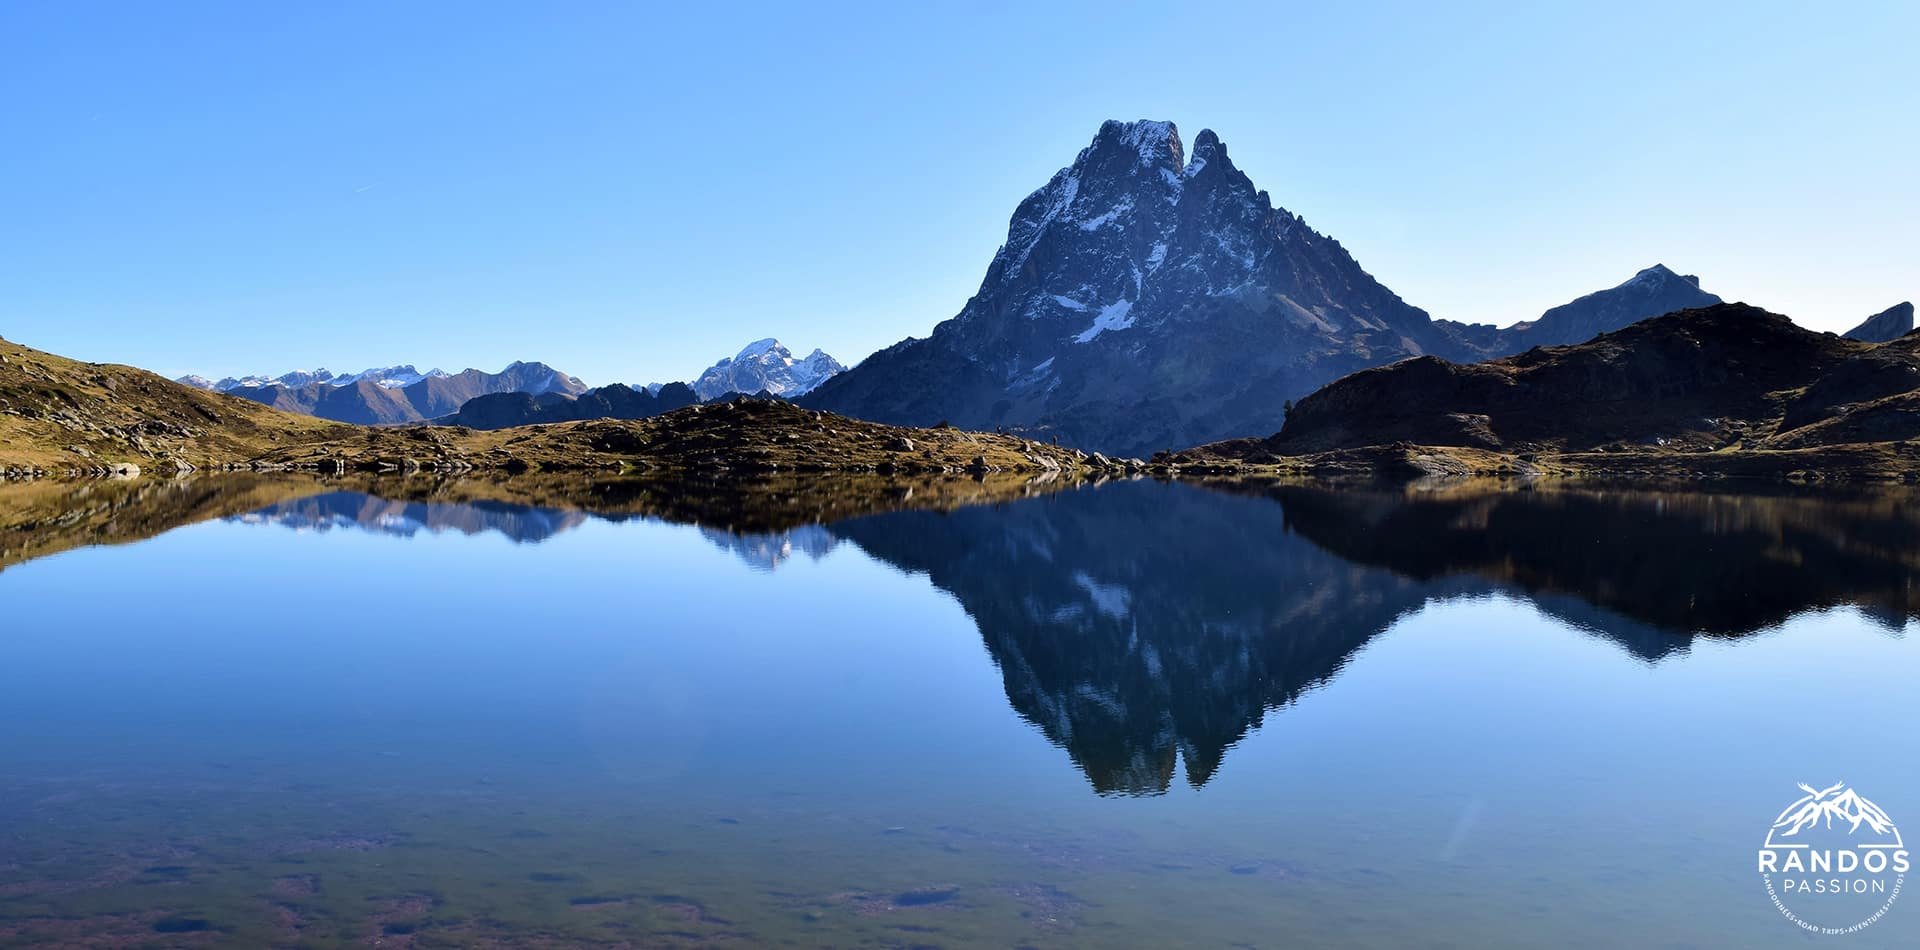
(1729, 388)
(504, 410)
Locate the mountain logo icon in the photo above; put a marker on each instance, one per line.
(1833, 861)
(1821, 809)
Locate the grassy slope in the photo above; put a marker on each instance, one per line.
(50, 406)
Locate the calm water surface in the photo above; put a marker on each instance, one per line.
(1141, 715)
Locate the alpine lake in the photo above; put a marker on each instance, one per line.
(265, 711)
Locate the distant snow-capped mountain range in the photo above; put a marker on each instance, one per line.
(400, 394)
(390, 377)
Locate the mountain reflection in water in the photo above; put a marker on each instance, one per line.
(523, 524)
(1145, 627)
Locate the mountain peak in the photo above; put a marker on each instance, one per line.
(1889, 324)
(1653, 291)
(1659, 274)
(1151, 142)
(765, 365)
(1147, 298)
(1207, 149)
(758, 348)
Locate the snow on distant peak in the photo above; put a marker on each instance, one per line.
(766, 365)
(293, 380)
(1653, 276)
(389, 377)
(760, 348)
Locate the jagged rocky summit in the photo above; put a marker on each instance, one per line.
(766, 366)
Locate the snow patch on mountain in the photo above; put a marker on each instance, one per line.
(1112, 214)
(390, 377)
(1113, 316)
(298, 377)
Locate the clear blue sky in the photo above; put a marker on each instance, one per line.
(629, 191)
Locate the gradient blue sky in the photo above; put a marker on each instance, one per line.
(630, 191)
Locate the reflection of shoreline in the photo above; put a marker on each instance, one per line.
(1143, 627)
(1146, 628)
(1683, 563)
(42, 518)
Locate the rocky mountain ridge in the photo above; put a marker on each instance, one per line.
(1147, 299)
(1883, 327)
(391, 377)
(386, 397)
(1730, 388)
(505, 410)
(766, 366)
